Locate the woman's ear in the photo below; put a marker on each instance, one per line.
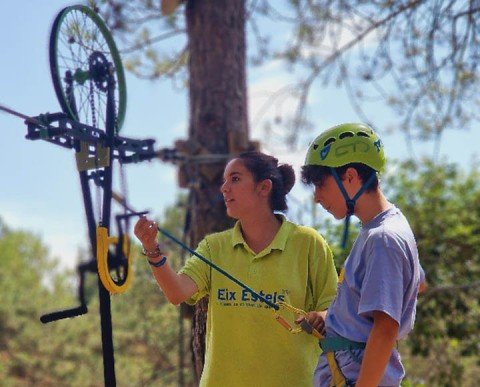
(265, 187)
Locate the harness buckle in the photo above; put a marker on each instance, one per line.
(350, 206)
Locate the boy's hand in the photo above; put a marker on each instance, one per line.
(316, 320)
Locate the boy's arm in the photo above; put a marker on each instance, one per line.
(422, 287)
(378, 350)
(423, 281)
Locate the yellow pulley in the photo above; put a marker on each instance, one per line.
(103, 243)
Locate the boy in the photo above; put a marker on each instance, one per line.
(378, 285)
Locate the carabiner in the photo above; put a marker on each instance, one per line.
(304, 326)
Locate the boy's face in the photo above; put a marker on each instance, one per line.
(329, 196)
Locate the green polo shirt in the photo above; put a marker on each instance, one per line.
(245, 345)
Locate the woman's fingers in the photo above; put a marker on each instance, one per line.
(145, 230)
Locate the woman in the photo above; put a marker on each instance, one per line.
(278, 259)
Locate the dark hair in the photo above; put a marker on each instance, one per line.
(316, 174)
(262, 167)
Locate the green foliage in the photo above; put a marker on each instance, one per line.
(146, 333)
(146, 329)
(443, 208)
(33, 353)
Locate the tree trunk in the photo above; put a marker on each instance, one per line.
(218, 120)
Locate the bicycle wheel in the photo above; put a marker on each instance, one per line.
(82, 54)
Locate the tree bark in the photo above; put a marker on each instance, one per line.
(218, 122)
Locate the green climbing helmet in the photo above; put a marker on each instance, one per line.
(347, 143)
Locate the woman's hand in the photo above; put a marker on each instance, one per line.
(146, 231)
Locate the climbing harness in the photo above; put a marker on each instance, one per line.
(338, 379)
(330, 345)
(333, 344)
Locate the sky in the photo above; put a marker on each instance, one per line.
(39, 186)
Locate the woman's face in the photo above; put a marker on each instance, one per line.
(242, 195)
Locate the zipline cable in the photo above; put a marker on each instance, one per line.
(29, 119)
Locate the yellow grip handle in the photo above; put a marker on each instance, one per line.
(103, 243)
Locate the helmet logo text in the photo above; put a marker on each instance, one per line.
(357, 146)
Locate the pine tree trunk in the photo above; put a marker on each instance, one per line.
(218, 119)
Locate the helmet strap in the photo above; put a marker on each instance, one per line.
(350, 202)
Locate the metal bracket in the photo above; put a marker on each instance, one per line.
(94, 151)
(100, 159)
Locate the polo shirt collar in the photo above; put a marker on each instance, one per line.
(278, 243)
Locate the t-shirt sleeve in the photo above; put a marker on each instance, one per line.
(386, 268)
(422, 275)
(199, 272)
(323, 275)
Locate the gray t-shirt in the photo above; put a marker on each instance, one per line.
(381, 273)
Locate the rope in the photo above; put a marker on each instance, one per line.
(219, 269)
(304, 326)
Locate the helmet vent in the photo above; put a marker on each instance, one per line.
(345, 135)
(329, 141)
(363, 134)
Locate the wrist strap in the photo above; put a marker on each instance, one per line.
(159, 263)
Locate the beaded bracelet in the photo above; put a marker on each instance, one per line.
(159, 263)
(155, 253)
